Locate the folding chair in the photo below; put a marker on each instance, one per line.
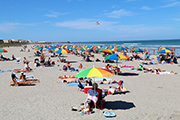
(99, 103)
(80, 85)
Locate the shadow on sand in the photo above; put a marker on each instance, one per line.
(115, 105)
(128, 74)
(72, 61)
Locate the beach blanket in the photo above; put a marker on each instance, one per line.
(53, 66)
(108, 84)
(120, 61)
(164, 73)
(21, 70)
(101, 78)
(2, 71)
(127, 66)
(73, 84)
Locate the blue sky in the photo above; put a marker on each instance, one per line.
(75, 20)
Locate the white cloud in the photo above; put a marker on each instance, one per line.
(85, 24)
(142, 29)
(114, 6)
(176, 19)
(119, 13)
(171, 5)
(8, 27)
(55, 14)
(145, 8)
(90, 24)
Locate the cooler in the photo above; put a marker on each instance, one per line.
(87, 88)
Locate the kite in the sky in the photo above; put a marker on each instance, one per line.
(97, 23)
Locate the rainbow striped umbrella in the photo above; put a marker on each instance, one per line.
(2, 50)
(162, 48)
(106, 50)
(38, 48)
(165, 51)
(120, 48)
(117, 57)
(94, 72)
(61, 51)
(137, 50)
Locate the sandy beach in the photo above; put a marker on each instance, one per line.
(150, 97)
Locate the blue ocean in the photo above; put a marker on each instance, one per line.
(152, 44)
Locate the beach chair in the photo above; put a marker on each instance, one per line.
(100, 102)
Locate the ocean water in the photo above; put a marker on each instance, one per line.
(152, 44)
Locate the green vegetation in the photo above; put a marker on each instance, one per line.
(11, 44)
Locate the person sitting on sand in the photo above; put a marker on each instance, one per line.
(42, 59)
(94, 95)
(104, 81)
(54, 55)
(141, 66)
(48, 62)
(22, 76)
(68, 65)
(110, 68)
(24, 60)
(13, 57)
(27, 67)
(80, 66)
(88, 59)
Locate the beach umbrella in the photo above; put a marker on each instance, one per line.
(137, 50)
(2, 50)
(161, 48)
(165, 51)
(94, 72)
(116, 57)
(61, 51)
(106, 50)
(120, 48)
(38, 48)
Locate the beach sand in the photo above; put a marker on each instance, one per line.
(150, 97)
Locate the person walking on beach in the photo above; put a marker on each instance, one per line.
(42, 59)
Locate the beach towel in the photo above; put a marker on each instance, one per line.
(5, 71)
(108, 84)
(73, 84)
(21, 70)
(126, 66)
(101, 78)
(164, 73)
(120, 61)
